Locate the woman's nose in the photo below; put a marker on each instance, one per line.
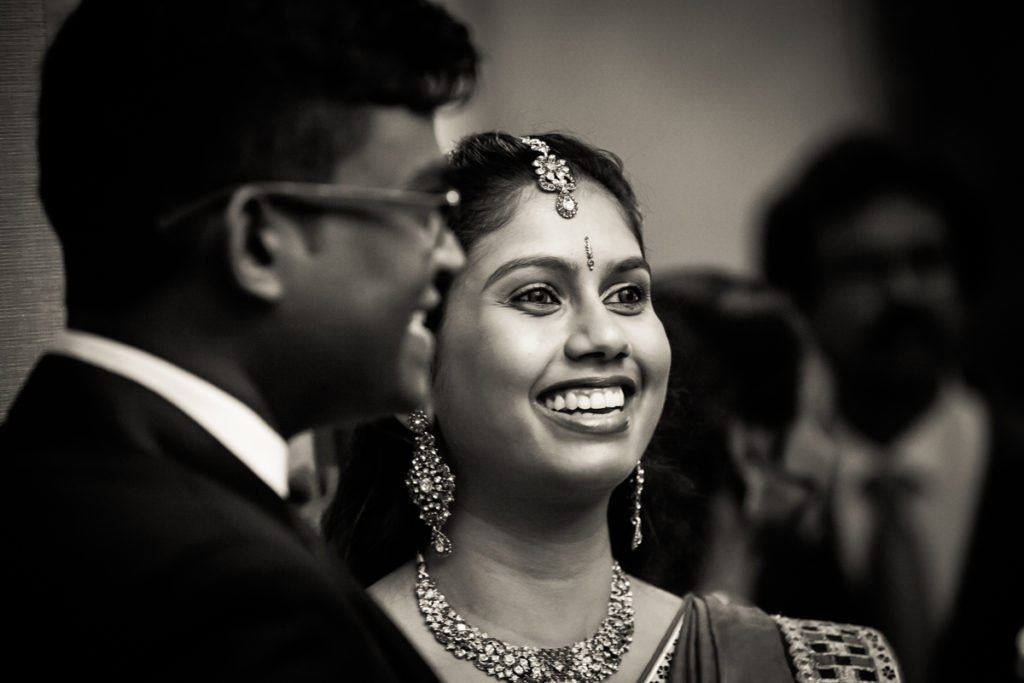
(598, 335)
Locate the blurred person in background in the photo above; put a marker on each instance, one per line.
(742, 420)
(249, 200)
(880, 251)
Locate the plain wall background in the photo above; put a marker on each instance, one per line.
(710, 103)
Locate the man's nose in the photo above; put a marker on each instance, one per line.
(448, 254)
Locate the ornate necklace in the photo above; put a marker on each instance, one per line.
(587, 661)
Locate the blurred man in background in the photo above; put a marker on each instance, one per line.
(878, 251)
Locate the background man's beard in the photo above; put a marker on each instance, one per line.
(907, 349)
(897, 373)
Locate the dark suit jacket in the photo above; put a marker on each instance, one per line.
(136, 547)
(978, 642)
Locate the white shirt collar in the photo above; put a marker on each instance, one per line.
(945, 451)
(932, 450)
(235, 425)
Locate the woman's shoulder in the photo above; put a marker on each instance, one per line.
(815, 650)
(393, 594)
(649, 599)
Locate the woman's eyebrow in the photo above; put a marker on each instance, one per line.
(548, 262)
(564, 266)
(634, 263)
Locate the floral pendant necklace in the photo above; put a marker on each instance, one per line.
(587, 661)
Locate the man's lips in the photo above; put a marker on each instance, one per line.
(429, 301)
(427, 309)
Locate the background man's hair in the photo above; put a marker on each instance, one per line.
(844, 178)
(146, 105)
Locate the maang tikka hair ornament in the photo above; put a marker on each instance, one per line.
(430, 482)
(553, 175)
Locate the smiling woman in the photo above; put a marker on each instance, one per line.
(550, 377)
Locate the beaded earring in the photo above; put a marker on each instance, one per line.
(638, 489)
(430, 482)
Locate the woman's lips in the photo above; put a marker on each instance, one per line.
(588, 410)
(586, 398)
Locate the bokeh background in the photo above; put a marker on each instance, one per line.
(712, 104)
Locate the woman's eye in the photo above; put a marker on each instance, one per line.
(629, 299)
(539, 299)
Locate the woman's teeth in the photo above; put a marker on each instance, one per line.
(586, 399)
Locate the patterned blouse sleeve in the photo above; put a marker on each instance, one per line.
(822, 651)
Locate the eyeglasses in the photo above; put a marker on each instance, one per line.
(434, 205)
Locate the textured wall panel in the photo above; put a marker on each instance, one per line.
(31, 281)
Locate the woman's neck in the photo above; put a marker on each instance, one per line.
(529, 580)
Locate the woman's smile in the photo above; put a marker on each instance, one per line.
(589, 405)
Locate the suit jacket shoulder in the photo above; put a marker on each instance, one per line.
(138, 547)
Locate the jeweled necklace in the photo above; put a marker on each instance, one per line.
(587, 661)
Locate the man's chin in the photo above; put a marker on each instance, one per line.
(413, 389)
(413, 364)
(898, 375)
(386, 394)
(913, 363)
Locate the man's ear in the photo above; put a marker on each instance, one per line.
(254, 245)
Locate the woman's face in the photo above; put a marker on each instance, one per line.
(551, 375)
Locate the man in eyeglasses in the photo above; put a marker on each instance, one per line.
(249, 200)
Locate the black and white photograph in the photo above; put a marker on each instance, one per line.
(444, 341)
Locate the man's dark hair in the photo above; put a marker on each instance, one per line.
(842, 180)
(149, 104)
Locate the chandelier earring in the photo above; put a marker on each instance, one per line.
(430, 482)
(638, 489)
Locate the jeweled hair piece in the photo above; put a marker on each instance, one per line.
(553, 175)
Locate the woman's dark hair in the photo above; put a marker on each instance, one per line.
(491, 170)
(371, 522)
(737, 350)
